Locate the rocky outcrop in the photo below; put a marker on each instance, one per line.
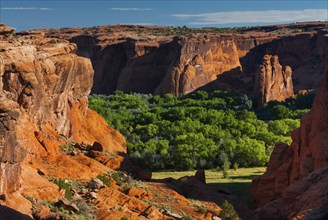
(43, 104)
(175, 65)
(303, 52)
(5, 31)
(151, 60)
(294, 184)
(272, 81)
(129, 62)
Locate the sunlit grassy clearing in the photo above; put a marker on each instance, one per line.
(238, 182)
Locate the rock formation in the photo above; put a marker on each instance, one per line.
(43, 92)
(173, 65)
(272, 81)
(148, 60)
(294, 184)
(303, 52)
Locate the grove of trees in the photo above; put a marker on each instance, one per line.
(202, 130)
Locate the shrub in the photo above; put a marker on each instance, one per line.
(117, 176)
(228, 212)
(68, 148)
(62, 184)
(104, 179)
(235, 166)
(202, 209)
(187, 217)
(225, 169)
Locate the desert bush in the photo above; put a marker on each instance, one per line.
(228, 212)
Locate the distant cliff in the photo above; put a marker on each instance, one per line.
(133, 59)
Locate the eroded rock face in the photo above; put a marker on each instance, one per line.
(295, 181)
(303, 52)
(273, 82)
(5, 30)
(43, 101)
(176, 65)
(148, 60)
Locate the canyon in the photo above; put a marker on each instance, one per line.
(47, 75)
(50, 139)
(154, 60)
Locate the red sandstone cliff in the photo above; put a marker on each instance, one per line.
(295, 181)
(272, 81)
(43, 103)
(148, 60)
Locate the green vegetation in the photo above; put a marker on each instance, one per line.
(104, 179)
(118, 177)
(187, 217)
(86, 212)
(238, 182)
(185, 31)
(63, 184)
(125, 180)
(198, 131)
(228, 211)
(68, 148)
(68, 185)
(202, 209)
(291, 108)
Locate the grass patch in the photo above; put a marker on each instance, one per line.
(238, 181)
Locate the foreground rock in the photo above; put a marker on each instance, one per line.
(43, 107)
(294, 184)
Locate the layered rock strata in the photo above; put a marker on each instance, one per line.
(150, 60)
(294, 184)
(273, 82)
(43, 105)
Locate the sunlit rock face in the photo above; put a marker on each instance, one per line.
(294, 184)
(151, 60)
(272, 81)
(44, 87)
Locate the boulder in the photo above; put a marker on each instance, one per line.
(68, 205)
(6, 30)
(144, 175)
(137, 193)
(97, 147)
(93, 195)
(95, 184)
(200, 174)
(43, 213)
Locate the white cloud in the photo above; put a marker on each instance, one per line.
(132, 9)
(25, 8)
(230, 17)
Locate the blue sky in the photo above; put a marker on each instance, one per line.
(24, 14)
